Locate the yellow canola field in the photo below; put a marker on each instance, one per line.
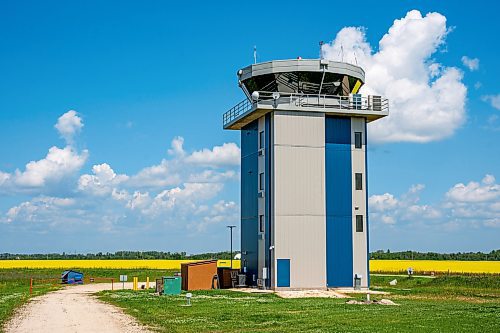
(375, 265)
(453, 266)
(110, 264)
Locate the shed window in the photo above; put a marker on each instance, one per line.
(261, 181)
(358, 140)
(359, 223)
(261, 139)
(261, 223)
(359, 181)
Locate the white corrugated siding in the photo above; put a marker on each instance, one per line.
(299, 191)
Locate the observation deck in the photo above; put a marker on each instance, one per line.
(310, 85)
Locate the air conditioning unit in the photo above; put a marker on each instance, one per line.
(376, 103)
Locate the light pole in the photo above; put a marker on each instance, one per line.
(231, 231)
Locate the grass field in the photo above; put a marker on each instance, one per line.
(14, 284)
(396, 266)
(442, 304)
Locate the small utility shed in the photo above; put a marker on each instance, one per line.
(198, 275)
(71, 277)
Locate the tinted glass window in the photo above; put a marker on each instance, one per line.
(358, 139)
(359, 223)
(359, 181)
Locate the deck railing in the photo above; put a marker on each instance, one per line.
(298, 100)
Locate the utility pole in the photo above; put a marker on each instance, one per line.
(231, 231)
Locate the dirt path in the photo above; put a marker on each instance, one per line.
(73, 309)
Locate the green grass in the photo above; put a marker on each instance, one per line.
(14, 290)
(14, 284)
(442, 304)
(452, 304)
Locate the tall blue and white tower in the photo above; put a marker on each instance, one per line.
(304, 214)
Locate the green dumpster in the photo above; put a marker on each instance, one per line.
(172, 285)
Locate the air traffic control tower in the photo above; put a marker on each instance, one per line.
(304, 219)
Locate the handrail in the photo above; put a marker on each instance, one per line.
(274, 99)
(241, 108)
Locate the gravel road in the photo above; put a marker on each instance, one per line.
(73, 309)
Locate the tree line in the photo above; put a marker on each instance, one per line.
(117, 255)
(380, 254)
(414, 255)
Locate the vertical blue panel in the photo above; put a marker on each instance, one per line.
(267, 172)
(283, 272)
(338, 130)
(249, 203)
(338, 177)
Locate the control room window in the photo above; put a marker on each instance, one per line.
(261, 140)
(261, 181)
(359, 223)
(261, 223)
(358, 139)
(359, 181)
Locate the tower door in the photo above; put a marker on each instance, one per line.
(283, 272)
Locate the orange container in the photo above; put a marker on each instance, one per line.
(198, 275)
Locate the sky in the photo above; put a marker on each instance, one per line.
(111, 119)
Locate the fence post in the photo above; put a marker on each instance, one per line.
(31, 286)
(112, 286)
(147, 282)
(135, 283)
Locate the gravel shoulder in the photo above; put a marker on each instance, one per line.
(73, 309)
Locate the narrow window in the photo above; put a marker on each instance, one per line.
(358, 140)
(359, 181)
(261, 139)
(359, 223)
(261, 223)
(261, 181)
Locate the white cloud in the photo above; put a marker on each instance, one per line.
(160, 175)
(4, 177)
(473, 205)
(427, 99)
(57, 165)
(471, 63)
(487, 190)
(139, 200)
(184, 198)
(177, 146)
(226, 155)
(220, 212)
(383, 202)
(68, 125)
(183, 190)
(38, 209)
(102, 182)
(211, 176)
(494, 100)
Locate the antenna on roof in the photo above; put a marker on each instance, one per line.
(342, 52)
(355, 59)
(254, 54)
(321, 49)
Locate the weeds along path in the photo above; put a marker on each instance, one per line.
(72, 309)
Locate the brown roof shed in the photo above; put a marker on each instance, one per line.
(198, 275)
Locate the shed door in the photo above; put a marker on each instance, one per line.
(283, 272)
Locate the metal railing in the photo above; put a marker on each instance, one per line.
(298, 100)
(241, 108)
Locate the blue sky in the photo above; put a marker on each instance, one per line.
(143, 163)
